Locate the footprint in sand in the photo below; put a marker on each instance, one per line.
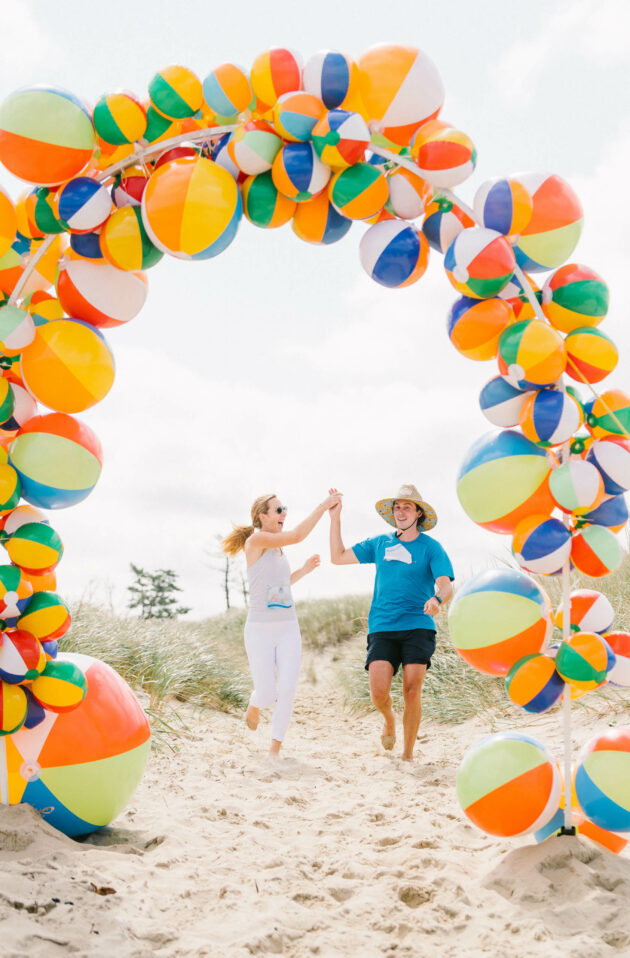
(414, 895)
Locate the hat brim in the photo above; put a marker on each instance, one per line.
(385, 509)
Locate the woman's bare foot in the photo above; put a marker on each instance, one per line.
(274, 751)
(251, 717)
(388, 738)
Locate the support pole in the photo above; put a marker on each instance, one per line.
(568, 827)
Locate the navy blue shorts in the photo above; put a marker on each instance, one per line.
(407, 646)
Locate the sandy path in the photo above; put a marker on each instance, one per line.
(338, 850)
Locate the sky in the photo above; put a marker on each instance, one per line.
(282, 367)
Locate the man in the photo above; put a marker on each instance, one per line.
(413, 581)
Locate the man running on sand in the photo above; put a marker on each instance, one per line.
(413, 579)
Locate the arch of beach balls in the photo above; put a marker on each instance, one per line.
(319, 146)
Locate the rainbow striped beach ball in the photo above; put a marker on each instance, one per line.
(443, 221)
(359, 192)
(296, 114)
(504, 478)
(576, 486)
(124, 242)
(503, 205)
(475, 325)
(610, 414)
(46, 617)
(611, 456)
(17, 330)
(497, 618)
(591, 354)
(15, 594)
(22, 658)
(46, 135)
(555, 225)
(532, 354)
(575, 296)
(298, 173)
(408, 193)
(275, 72)
(619, 675)
(263, 204)
(176, 92)
(61, 687)
(331, 76)
(10, 487)
(319, 222)
(612, 512)
(58, 460)
(191, 208)
(508, 784)
(501, 402)
(119, 118)
(550, 417)
(541, 544)
(341, 138)
(595, 551)
(591, 611)
(602, 779)
(227, 90)
(13, 708)
(445, 156)
(98, 293)
(479, 263)
(394, 254)
(35, 547)
(253, 147)
(534, 684)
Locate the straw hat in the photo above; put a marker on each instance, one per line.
(385, 507)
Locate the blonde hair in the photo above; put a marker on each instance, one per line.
(235, 541)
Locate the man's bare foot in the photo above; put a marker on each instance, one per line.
(274, 751)
(407, 758)
(388, 738)
(251, 717)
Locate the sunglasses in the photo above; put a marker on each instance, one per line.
(281, 509)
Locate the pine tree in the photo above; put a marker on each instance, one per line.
(154, 594)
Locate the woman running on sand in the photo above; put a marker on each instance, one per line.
(272, 634)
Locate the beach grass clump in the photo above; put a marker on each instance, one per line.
(329, 622)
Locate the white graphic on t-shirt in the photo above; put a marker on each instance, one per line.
(278, 597)
(397, 553)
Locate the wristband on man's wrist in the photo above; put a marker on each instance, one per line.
(438, 598)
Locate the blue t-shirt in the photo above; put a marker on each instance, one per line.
(405, 580)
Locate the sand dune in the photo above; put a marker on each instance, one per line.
(339, 849)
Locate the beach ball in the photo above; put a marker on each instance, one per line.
(532, 353)
(298, 173)
(17, 329)
(68, 366)
(254, 146)
(263, 205)
(24, 408)
(13, 708)
(503, 205)
(129, 185)
(595, 551)
(497, 617)
(359, 192)
(47, 617)
(576, 486)
(22, 658)
(275, 72)
(7, 401)
(24, 213)
(35, 547)
(602, 779)
(555, 225)
(8, 222)
(41, 583)
(10, 488)
(159, 127)
(445, 156)
(504, 478)
(591, 611)
(58, 460)
(82, 204)
(408, 193)
(340, 138)
(583, 660)
(475, 325)
(443, 222)
(100, 294)
(296, 114)
(332, 77)
(81, 767)
(15, 595)
(176, 92)
(394, 254)
(35, 714)
(124, 241)
(61, 687)
(21, 515)
(319, 222)
(541, 545)
(43, 307)
(573, 297)
(119, 118)
(46, 135)
(501, 402)
(400, 88)
(611, 457)
(41, 209)
(191, 208)
(175, 153)
(534, 684)
(619, 675)
(12, 264)
(591, 355)
(508, 784)
(479, 263)
(610, 415)
(612, 513)
(221, 157)
(227, 90)
(549, 417)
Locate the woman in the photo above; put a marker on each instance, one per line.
(272, 635)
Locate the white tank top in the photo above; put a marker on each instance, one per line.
(270, 598)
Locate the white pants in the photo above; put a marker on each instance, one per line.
(274, 650)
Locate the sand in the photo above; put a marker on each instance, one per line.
(338, 849)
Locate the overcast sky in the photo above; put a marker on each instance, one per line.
(280, 366)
